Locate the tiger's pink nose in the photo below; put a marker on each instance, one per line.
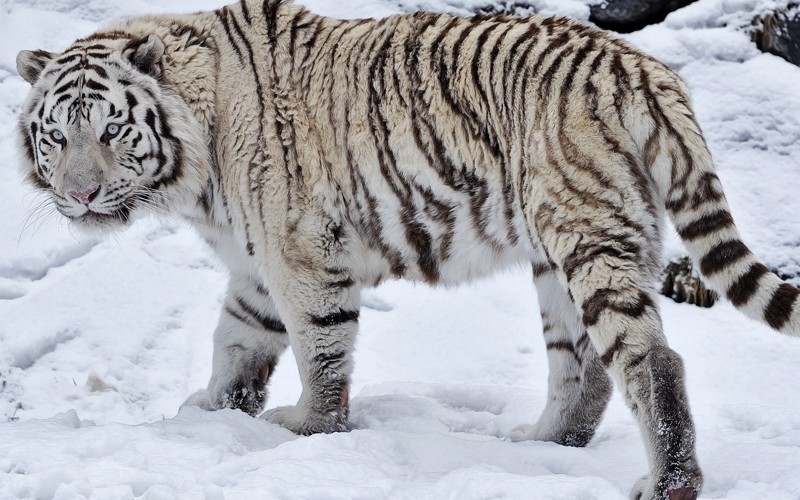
(85, 197)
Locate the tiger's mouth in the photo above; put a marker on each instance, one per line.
(103, 222)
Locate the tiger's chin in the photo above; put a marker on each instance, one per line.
(94, 223)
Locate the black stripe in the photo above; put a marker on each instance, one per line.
(577, 62)
(722, 256)
(706, 225)
(708, 189)
(239, 317)
(61, 99)
(317, 51)
(330, 358)
(334, 318)
(588, 252)
(259, 89)
(375, 230)
(65, 72)
(513, 59)
(478, 57)
(245, 11)
(68, 58)
(602, 300)
(266, 322)
(517, 84)
(131, 100)
(150, 121)
(584, 339)
(125, 134)
(547, 76)
(67, 86)
(344, 283)
(284, 125)
(101, 72)
(744, 288)
(293, 34)
(496, 46)
(780, 307)
(174, 173)
(607, 356)
(222, 15)
(540, 269)
(270, 11)
(310, 41)
(565, 346)
(261, 290)
(96, 85)
(30, 153)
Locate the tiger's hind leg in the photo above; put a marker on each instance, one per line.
(578, 387)
(612, 284)
(248, 341)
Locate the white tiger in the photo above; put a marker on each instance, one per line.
(319, 156)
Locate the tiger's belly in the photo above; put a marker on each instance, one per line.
(439, 236)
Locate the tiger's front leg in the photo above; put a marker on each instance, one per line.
(248, 341)
(321, 311)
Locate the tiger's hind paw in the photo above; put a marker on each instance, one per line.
(646, 489)
(201, 400)
(524, 432)
(577, 438)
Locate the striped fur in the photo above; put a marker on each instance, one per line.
(319, 156)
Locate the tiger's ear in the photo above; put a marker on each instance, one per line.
(30, 64)
(145, 53)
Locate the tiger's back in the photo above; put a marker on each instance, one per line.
(445, 118)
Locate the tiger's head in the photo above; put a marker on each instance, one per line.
(105, 136)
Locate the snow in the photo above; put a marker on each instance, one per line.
(102, 339)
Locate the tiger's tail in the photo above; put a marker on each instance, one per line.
(681, 165)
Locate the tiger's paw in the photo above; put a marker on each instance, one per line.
(647, 489)
(300, 421)
(201, 400)
(577, 437)
(524, 432)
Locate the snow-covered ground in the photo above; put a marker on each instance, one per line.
(101, 340)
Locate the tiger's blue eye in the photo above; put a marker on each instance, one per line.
(112, 129)
(57, 136)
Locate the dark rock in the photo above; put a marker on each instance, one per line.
(681, 283)
(505, 7)
(625, 16)
(779, 33)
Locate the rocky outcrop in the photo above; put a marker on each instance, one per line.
(681, 283)
(625, 16)
(779, 33)
(506, 7)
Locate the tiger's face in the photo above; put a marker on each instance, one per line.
(99, 132)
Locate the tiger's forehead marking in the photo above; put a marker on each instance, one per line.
(81, 81)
